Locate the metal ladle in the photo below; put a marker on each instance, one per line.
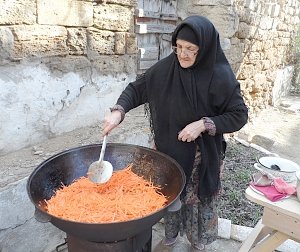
(100, 171)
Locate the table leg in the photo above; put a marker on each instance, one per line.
(271, 242)
(258, 233)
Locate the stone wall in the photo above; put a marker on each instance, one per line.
(257, 37)
(62, 63)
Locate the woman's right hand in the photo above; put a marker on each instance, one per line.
(111, 120)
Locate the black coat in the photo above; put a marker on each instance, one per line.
(178, 96)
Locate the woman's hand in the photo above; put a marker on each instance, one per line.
(111, 120)
(190, 132)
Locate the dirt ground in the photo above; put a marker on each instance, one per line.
(20, 164)
(275, 129)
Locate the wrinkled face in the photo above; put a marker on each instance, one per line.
(186, 53)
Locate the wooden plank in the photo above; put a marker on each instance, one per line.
(270, 243)
(145, 64)
(142, 13)
(149, 53)
(169, 17)
(166, 37)
(169, 10)
(282, 222)
(258, 233)
(289, 206)
(147, 40)
(165, 48)
(154, 28)
(146, 13)
(152, 5)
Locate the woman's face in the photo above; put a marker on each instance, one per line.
(186, 53)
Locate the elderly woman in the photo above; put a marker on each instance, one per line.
(193, 98)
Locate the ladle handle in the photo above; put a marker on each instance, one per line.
(103, 149)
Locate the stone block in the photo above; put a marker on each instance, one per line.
(251, 4)
(112, 65)
(266, 64)
(252, 56)
(131, 43)
(282, 84)
(225, 18)
(213, 2)
(257, 46)
(39, 40)
(60, 66)
(120, 43)
(6, 43)
(275, 10)
(240, 233)
(244, 31)
(235, 54)
(246, 71)
(100, 42)
(266, 23)
(225, 43)
(263, 141)
(245, 15)
(259, 82)
(113, 17)
(67, 12)
(77, 40)
(15, 206)
(17, 12)
(282, 26)
(224, 228)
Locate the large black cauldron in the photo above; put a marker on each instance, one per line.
(71, 164)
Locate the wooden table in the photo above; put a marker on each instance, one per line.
(280, 222)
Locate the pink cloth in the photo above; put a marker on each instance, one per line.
(283, 187)
(270, 192)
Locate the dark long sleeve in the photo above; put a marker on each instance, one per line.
(133, 95)
(231, 121)
(235, 115)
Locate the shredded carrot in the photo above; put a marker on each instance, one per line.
(124, 197)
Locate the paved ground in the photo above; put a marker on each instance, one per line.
(182, 245)
(277, 129)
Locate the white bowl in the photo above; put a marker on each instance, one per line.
(288, 177)
(285, 165)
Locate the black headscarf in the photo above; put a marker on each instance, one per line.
(178, 96)
(186, 33)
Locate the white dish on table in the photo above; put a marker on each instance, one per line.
(285, 165)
